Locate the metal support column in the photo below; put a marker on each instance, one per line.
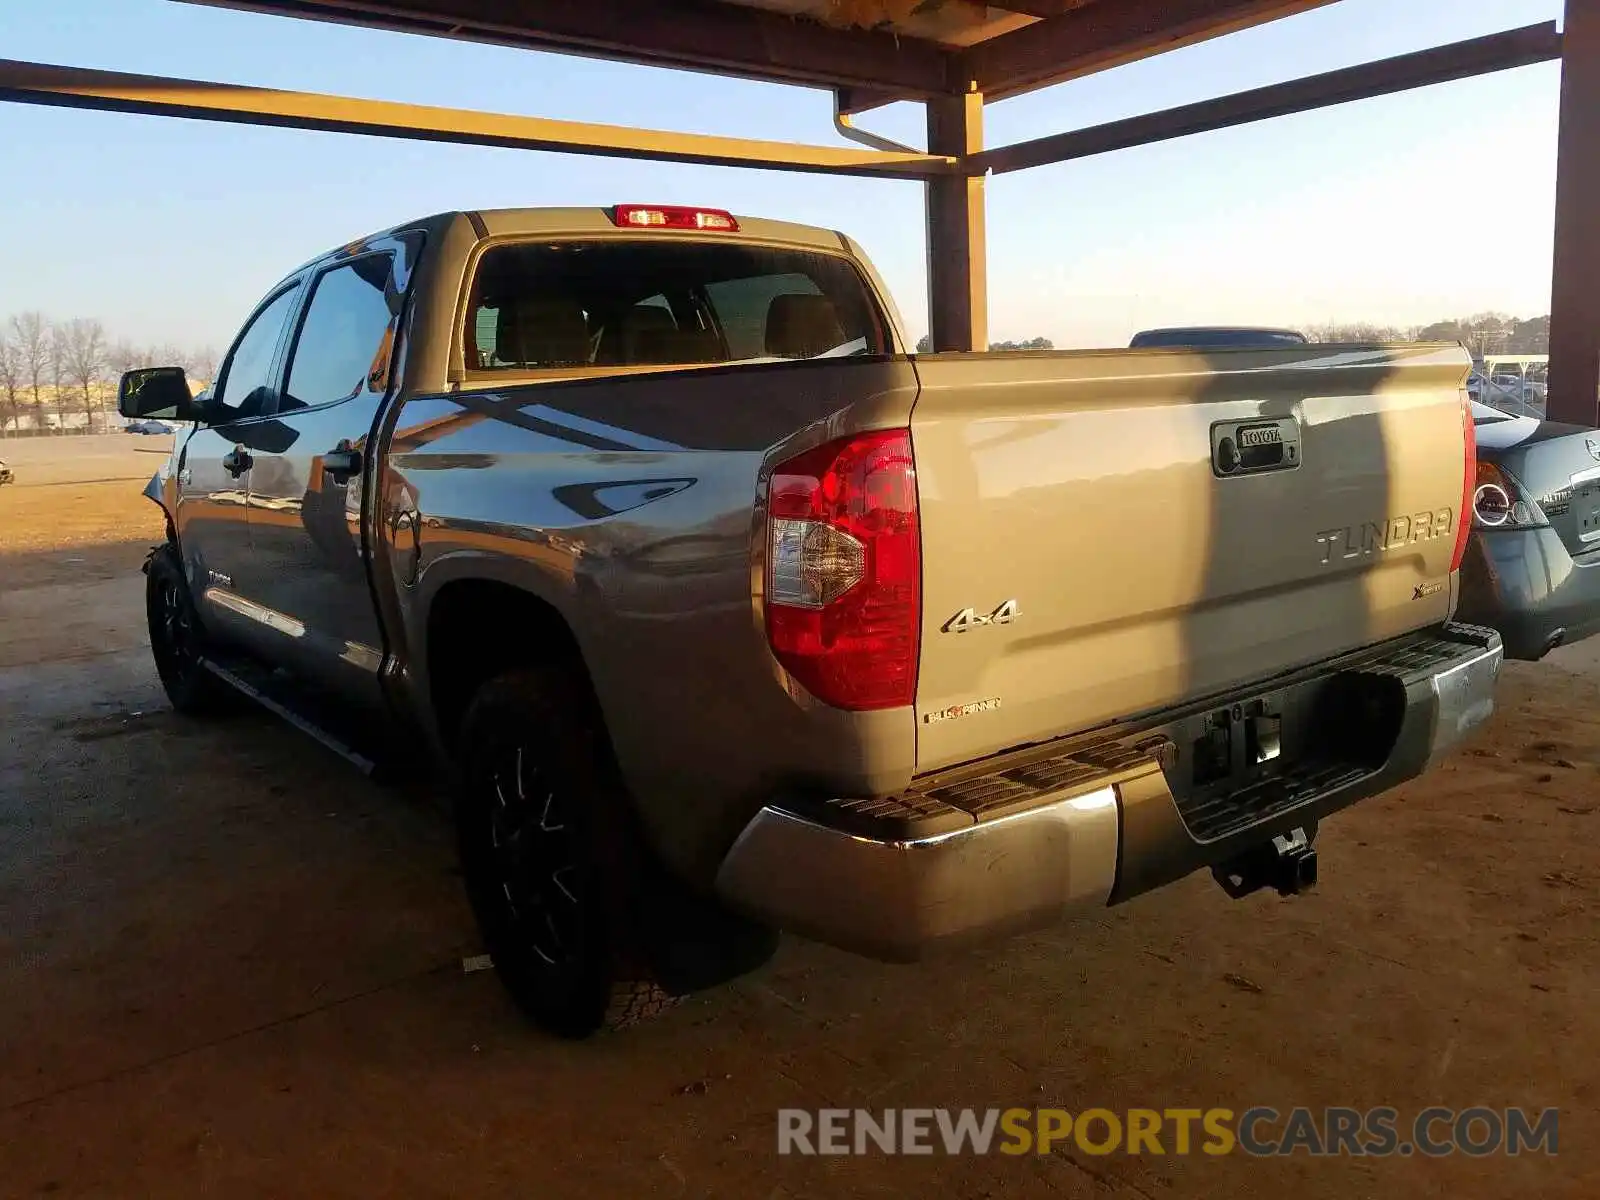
(958, 280)
(1575, 279)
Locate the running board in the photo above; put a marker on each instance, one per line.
(352, 756)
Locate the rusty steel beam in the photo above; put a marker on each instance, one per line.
(699, 35)
(851, 102)
(958, 287)
(1460, 60)
(1106, 34)
(1574, 383)
(71, 87)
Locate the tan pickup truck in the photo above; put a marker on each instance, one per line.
(727, 614)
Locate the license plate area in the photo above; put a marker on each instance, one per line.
(1239, 745)
(1586, 511)
(1237, 766)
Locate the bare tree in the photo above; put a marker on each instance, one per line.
(30, 333)
(85, 347)
(202, 365)
(1358, 331)
(163, 355)
(11, 377)
(1531, 336)
(122, 357)
(59, 355)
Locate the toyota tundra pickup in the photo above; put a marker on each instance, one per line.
(726, 614)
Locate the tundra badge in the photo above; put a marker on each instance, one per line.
(1369, 538)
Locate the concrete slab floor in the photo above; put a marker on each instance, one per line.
(230, 966)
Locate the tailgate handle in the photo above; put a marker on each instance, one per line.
(1255, 446)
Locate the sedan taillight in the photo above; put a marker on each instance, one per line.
(1498, 501)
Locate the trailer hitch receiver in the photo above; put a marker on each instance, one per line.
(1287, 864)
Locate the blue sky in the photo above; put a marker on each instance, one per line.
(1403, 209)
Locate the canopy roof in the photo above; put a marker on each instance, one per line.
(871, 51)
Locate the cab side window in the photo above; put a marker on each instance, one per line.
(246, 389)
(346, 341)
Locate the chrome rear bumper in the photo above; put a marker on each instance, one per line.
(1100, 839)
(897, 899)
(1463, 699)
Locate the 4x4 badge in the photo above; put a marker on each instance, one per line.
(969, 618)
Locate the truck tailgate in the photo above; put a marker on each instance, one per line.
(1092, 551)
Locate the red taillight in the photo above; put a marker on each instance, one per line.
(673, 216)
(1469, 481)
(844, 570)
(1499, 502)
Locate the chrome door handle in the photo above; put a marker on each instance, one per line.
(342, 462)
(237, 461)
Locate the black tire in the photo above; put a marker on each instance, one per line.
(551, 863)
(177, 641)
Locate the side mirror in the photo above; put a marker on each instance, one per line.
(160, 393)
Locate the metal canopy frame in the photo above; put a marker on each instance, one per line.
(866, 68)
(73, 87)
(1442, 64)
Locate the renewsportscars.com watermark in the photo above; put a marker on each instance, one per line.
(1260, 1131)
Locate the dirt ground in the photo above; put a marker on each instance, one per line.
(230, 966)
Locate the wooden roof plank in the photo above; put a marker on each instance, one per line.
(1106, 34)
(702, 35)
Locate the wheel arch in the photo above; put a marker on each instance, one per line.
(479, 622)
(157, 492)
(479, 616)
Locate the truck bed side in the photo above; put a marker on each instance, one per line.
(630, 506)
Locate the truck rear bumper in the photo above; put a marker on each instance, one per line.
(1014, 843)
(897, 899)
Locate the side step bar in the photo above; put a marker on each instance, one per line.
(354, 757)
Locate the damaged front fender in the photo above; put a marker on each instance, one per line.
(162, 490)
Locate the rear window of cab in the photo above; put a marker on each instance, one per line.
(536, 306)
